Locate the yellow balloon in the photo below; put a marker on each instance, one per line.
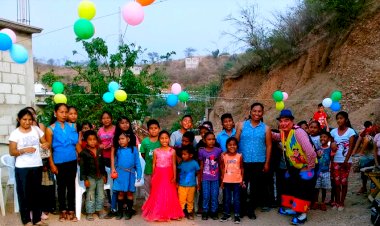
(60, 98)
(86, 10)
(280, 105)
(120, 95)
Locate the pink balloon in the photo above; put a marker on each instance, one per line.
(176, 88)
(10, 33)
(133, 13)
(285, 95)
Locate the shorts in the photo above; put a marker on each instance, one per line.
(341, 173)
(323, 180)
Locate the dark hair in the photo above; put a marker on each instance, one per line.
(232, 139)
(187, 116)
(208, 133)
(83, 124)
(21, 114)
(89, 133)
(300, 123)
(106, 112)
(127, 134)
(190, 135)
(118, 132)
(188, 148)
(257, 104)
(320, 105)
(72, 107)
(56, 107)
(316, 122)
(324, 132)
(152, 122)
(163, 132)
(367, 124)
(344, 115)
(225, 116)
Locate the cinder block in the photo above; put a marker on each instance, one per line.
(11, 128)
(12, 99)
(9, 78)
(5, 88)
(18, 89)
(2, 98)
(4, 130)
(18, 68)
(6, 120)
(21, 79)
(23, 101)
(5, 67)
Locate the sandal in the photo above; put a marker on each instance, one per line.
(63, 216)
(41, 223)
(72, 216)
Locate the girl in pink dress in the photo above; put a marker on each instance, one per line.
(163, 203)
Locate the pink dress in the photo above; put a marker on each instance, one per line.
(163, 203)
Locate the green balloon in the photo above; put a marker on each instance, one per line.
(183, 96)
(278, 96)
(58, 87)
(84, 29)
(336, 96)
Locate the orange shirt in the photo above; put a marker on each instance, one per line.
(232, 170)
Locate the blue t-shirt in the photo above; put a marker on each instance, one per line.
(252, 142)
(222, 138)
(187, 172)
(324, 161)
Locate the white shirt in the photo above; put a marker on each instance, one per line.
(24, 140)
(343, 143)
(376, 141)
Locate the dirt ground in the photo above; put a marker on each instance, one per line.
(357, 212)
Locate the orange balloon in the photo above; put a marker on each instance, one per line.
(145, 2)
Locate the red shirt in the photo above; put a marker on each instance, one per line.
(320, 117)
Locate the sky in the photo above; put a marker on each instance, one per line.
(169, 25)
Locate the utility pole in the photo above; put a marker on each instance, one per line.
(23, 11)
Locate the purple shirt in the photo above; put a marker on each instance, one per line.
(210, 163)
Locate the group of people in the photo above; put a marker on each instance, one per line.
(234, 169)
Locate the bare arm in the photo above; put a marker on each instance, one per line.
(358, 142)
(13, 151)
(239, 127)
(242, 169)
(154, 162)
(200, 173)
(222, 167)
(268, 144)
(112, 159)
(174, 159)
(352, 140)
(49, 139)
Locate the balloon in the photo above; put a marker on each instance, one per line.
(84, 29)
(327, 102)
(19, 54)
(108, 97)
(336, 95)
(145, 2)
(120, 95)
(86, 10)
(335, 106)
(10, 33)
(172, 100)
(285, 95)
(133, 13)
(280, 105)
(183, 96)
(278, 96)
(176, 88)
(113, 86)
(5, 42)
(57, 87)
(60, 98)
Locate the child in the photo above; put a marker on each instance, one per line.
(227, 132)
(163, 203)
(147, 147)
(187, 139)
(176, 137)
(323, 177)
(187, 180)
(72, 115)
(203, 129)
(86, 126)
(126, 164)
(93, 172)
(105, 134)
(303, 124)
(314, 130)
(209, 158)
(321, 117)
(232, 179)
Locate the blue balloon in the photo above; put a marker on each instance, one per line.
(335, 106)
(172, 100)
(108, 97)
(5, 42)
(19, 54)
(113, 86)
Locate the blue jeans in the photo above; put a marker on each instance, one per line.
(95, 195)
(232, 190)
(210, 193)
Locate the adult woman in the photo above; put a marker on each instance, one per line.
(24, 143)
(63, 138)
(255, 144)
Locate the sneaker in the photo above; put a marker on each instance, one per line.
(214, 216)
(204, 216)
(237, 220)
(90, 217)
(335, 206)
(226, 217)
(297, 221)
(323, 207)
(286, 212)
(340, 208)
(110, 215)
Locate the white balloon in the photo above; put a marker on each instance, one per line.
(327, 102)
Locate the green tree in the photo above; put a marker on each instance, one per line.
(85, 91)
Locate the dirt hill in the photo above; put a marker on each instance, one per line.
(350, 64)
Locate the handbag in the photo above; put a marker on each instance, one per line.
(44, 153)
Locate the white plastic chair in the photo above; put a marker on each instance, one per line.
(9, 161)
(2, 204)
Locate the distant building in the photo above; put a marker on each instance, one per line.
(41, 94)
(16, 81)
(192, 62)
(136, 70)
